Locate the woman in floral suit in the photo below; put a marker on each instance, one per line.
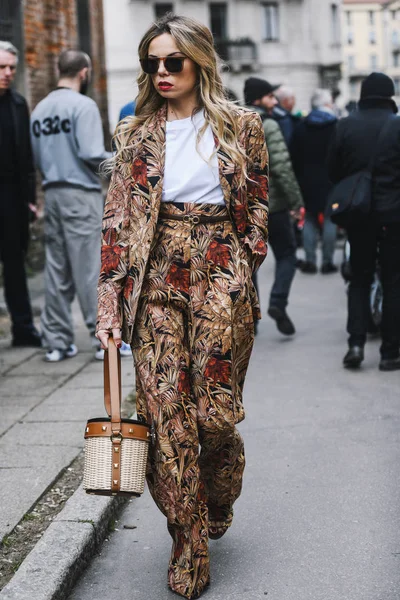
(185, 226)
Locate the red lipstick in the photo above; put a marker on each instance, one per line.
(164, 86)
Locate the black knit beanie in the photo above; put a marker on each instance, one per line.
(255, 89)
(378, 86)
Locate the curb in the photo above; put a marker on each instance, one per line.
(52, 568)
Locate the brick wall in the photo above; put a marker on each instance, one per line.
(98, 55)
(51, 26)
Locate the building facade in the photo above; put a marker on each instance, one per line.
(297, 42)
(371, 42)
(41, 29)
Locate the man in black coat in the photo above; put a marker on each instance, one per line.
(17, 199)
(310, 144)
(378, 235)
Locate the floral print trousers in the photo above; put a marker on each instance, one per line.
(192, 342)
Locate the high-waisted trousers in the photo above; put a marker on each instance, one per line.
(192, 342)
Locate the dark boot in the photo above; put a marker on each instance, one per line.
(309, 268)
(328, 268)
(354, 357)
(27, 336)
(283, 323)
(389, 364)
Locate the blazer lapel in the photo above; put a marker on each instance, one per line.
(226, 169)
(154, 155)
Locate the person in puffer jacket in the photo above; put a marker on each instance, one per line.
(285, 201)
(309, 151)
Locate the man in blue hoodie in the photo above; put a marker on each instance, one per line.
(309, 149)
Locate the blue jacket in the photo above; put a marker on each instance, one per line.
(287, 122)
(127, 111)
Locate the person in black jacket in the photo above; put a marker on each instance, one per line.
(310, 144)
(283, 113)
(378, 235)
(17, 199)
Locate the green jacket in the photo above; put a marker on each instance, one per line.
(284, 191)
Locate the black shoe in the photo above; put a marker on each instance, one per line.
(283, 323)
(299, 263)
(354, 357)
(27, 338)
(329, 268)
(389, 364)
(308, 267)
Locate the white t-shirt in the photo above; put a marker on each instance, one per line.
(190, 175)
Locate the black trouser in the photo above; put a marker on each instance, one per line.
(12, 254)
(367, 244)
(283, 244)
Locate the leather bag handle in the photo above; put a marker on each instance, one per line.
(113, 385)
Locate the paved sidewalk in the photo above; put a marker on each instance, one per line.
(44, 409)
(318, 518)
(320, 490)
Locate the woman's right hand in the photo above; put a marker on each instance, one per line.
(103, 335)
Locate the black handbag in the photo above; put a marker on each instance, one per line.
(350, 201)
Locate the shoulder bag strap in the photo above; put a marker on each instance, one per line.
(112, 385)
(382, 132)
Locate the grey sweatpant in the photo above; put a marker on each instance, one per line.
(72, 242)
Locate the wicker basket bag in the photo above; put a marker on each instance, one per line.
(115, 449)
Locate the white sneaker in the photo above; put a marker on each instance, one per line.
(125, 350)
(99, 354)
(71, 351)
(55, 355)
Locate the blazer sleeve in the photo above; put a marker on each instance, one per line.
(114, 252)
(256, 232)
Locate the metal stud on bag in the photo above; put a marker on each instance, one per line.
(109, 438)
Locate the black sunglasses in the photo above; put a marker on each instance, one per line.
(173, 64)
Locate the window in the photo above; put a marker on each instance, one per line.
(348, 18)
(162, 9)
(371, 16)
(271, 22)
(353, 90)
(219, 20)
(394, 14)
(335, 24)
(395, 38)
(351, 62)
(350, 37)
(372, 37)
(10, 21)
(396, 60)
(11, 30)
(84, 32)
(373, 61)
(397, 86)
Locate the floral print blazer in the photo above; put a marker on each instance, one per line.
(133, 203)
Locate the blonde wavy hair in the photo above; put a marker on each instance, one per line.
(196, 42)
